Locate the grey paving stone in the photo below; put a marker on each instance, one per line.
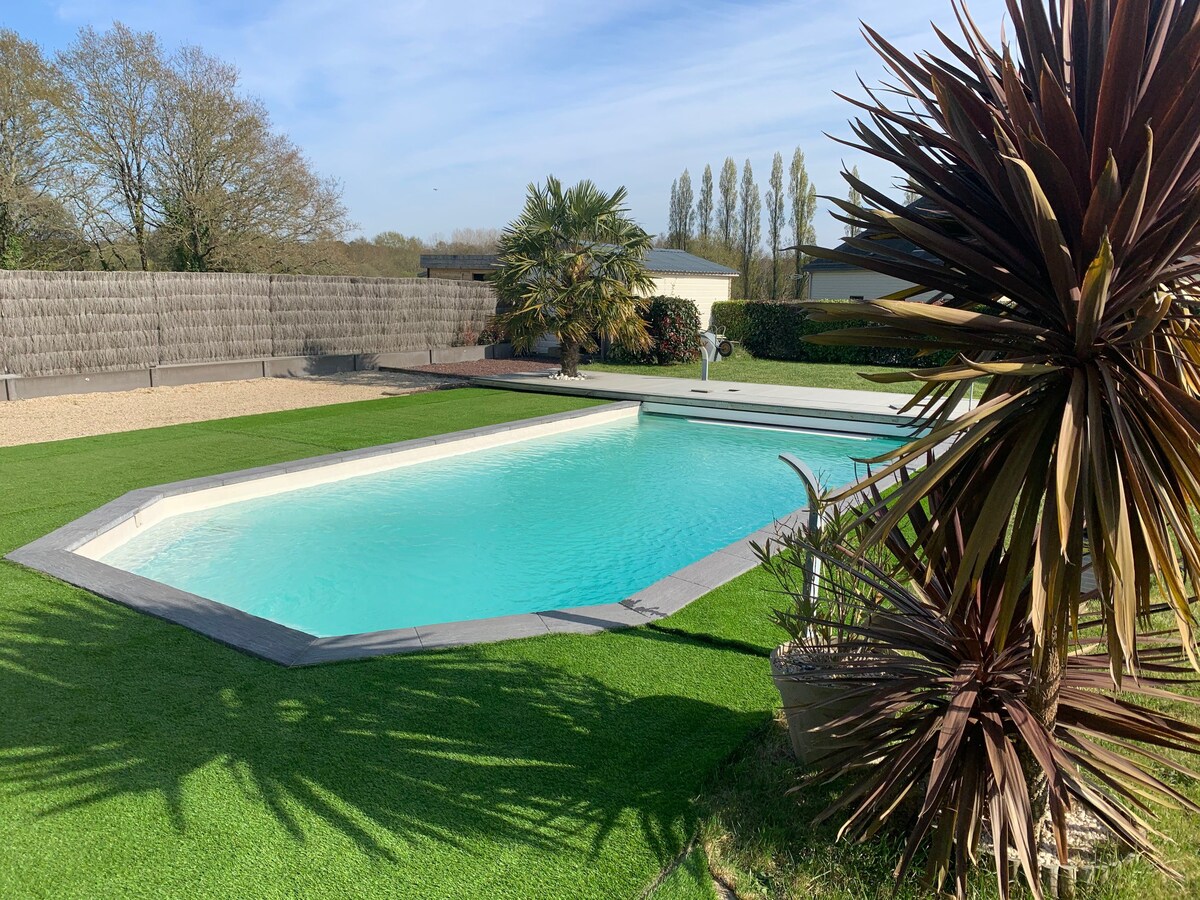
(591, 619)
(664, 597)
(481, 631)
(224, 624)
(743, 550)
(715, 569)
(359, 646)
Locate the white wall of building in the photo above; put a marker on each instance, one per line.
(843, 284)
(703, 290)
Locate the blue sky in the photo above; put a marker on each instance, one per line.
(477, 99)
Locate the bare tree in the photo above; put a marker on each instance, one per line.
(230, 193)
(466, 240)
(749, 230)
(727, 204)
(704, 205)
(776, 218)
(803, 199)
(110, 118)
(35, 229)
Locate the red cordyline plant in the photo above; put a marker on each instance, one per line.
(1058, 226)
(944, 712)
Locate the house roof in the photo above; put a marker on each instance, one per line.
(458, 260)
(680, 262)
(658, 262)
(893, 243)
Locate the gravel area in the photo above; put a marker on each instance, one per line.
(78, 415)
(487, 367)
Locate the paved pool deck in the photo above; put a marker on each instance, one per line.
(775, 399)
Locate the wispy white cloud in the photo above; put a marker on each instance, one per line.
(476, 97)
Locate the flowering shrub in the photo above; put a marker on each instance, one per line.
(674, 325)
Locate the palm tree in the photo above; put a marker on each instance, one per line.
(572, 264)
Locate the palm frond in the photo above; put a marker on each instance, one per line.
(1059, 224)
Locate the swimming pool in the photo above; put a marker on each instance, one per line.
(574, 519)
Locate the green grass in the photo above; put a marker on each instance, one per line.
(764, 843)
(744, 367)
(138, 759)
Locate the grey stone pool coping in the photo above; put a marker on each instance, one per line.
(54, 555)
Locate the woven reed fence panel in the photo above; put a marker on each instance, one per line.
(64, 322)
(56, 322)
(204, 317)
(330, 315)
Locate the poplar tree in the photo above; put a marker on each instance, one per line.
(803, 199)
(855, 198)
(727, 204)
(776, 218)
(687, 213)
(749, 230)
(704, 205)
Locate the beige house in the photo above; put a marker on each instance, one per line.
(676, 273)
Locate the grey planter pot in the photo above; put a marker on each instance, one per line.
(807, 705)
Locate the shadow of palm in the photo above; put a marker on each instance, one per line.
(446, 746)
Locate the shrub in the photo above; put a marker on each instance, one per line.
(778, 330)
(729, 319)
(674, 326)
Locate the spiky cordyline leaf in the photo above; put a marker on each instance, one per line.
(943, 712)
(1060, 186)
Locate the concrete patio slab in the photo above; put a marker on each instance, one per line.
(477, 631)
(836, 405)
(664, 597)
(591, 619)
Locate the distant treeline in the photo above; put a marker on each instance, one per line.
(118, 153)
(724, 222)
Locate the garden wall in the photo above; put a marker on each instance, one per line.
(69, 323)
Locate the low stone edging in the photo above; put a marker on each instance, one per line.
(19, 387)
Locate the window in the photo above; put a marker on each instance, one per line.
(856, 297)
(479, 276)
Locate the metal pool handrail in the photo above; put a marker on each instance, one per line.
(812, 565)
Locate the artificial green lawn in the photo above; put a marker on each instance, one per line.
(744, 367)
(140, 759)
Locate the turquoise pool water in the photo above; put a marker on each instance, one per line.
(586, 517)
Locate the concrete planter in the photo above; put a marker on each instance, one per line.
(808, 705)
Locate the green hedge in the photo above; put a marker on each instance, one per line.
(777, 330)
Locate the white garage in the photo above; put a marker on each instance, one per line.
(830, 280)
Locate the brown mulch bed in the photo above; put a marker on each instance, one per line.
(486, 367)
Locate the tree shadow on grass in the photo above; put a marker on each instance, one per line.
(448, 747)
